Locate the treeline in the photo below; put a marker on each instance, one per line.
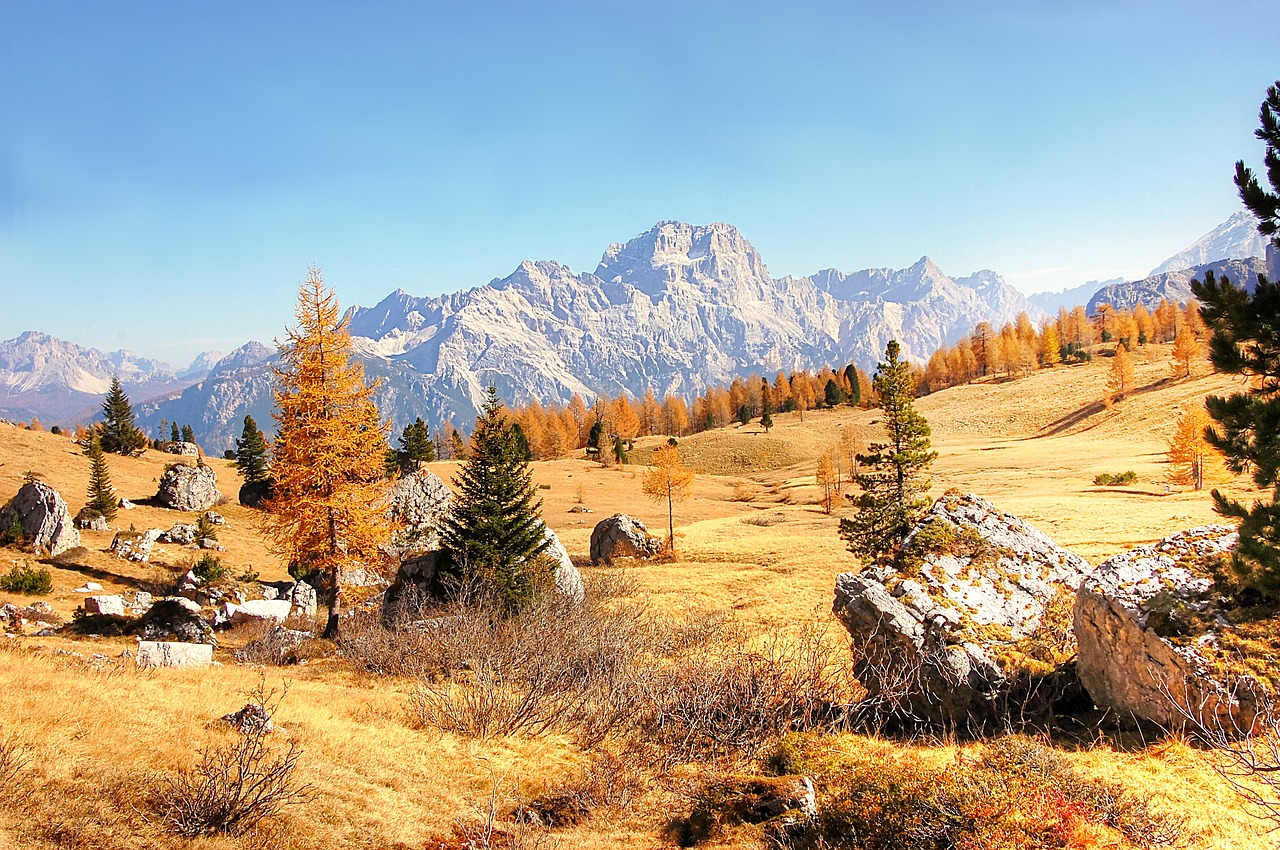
(1020, 348)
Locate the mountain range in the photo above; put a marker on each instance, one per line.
(677, 308)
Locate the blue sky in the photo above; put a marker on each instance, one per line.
(168, 170)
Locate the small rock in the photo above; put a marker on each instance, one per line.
(127, 505)
(132, 546)
(252, 719)
(260, 611)
(215, 518)
(88, 587)
(180, 533)
(112, 606)
(174, 654)
(579, 509)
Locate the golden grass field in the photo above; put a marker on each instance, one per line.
(752, 542)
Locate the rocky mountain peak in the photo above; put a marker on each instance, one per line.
(1237, 238)
(704, 257)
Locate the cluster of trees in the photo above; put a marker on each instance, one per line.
(607, 427)
(1020, 348)
(183, 434)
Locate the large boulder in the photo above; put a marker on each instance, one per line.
(420, 501)
(178, 447)
(947, 637)
(181, 533)
(44, 517)
(1149, 635)
(110, 606)
(621, 536)
(568, 579)
(255, 494)
(270, 611)
(189, 488)
(300, 595)
(174, 654)
(89, 519)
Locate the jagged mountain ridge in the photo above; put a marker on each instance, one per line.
(1237, 238)
(43, 376)
(675, 309)
(1175, 285)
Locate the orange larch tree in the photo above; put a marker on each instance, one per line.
(671, 481)
(1186, 350)
(1191, 458)
(1120, 384)
(327, 511)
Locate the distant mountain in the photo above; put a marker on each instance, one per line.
(1077, 296)
(201, 365)
(675, 309)
(1176, 285)
(41, 375)
(1237, 238)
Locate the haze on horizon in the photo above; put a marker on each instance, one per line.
(166, 174)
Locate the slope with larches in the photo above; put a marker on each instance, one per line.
(752, 542)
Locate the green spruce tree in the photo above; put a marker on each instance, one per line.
(120, 433)
(415, 447)
(892, 476)
(101, 496)
(495, 534)
(188, 434)
(174, 436)
(855, 389)
(1245, 327)
(251, 453)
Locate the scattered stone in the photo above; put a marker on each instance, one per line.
(41, 607)
(929, 642)
(274, 611)
(208, 543)
(275, 647)
(174, 619)
(155, 653)
(88, 587)
(189, 488)
(303, 600)
(132, 546)
(621, 536)
(110, 606)
(215, 518)
(141, 601)
(44, 517)
(1138, 656)
(178, 447)
(419, 503)
(180, 533)
(782, 802)
(127, 505)
(251, 720)
(188, 585)
(579, 509)
(362, 577)
(90, 520)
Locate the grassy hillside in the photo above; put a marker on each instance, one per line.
(753, 546)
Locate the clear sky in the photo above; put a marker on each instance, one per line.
(168, 170)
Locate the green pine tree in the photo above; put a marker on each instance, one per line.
(120, 434)
(251, 453)
(416, 446)
(101, 497)
(832, 394)
(174, 436)
(188, 434)
(855, 389)
(892, 476)
(495, 533)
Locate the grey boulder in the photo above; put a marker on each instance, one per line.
(621, 536)
(189, 488)
(44, 517)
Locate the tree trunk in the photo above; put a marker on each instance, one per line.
(335, 606)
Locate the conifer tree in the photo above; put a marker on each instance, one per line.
(415, 447)
(671, 481)
(327, 511)
(120, 433)
(855, 388)
(766, 421)
(1186, 350)
(1245, 327)
(251, 453)
(174, 436)
(101, 495)
(495, 534)
(188, 434)
(893, 478)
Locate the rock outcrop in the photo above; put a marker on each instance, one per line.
(132, 546)
(420, 501)
(568, 579)
(942, 639)
(189, 488)
(621, 536)
(174, 654)
(44, 517)
(174, 619)
(89, 519)
(1148, 631)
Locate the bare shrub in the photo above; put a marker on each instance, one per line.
(237, 785)
(15, 758)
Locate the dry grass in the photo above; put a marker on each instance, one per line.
(752, 542)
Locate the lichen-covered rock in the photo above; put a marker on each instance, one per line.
(132, 546)
(1140, 654)
(173, 654)
(621, 536)
(110, 606)
(44, 517)
(420, 502)
(178, 447)
(189, 488)
(89, 519)
(934, 637)
(568, 579)
(174, 620)
(180, 533)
